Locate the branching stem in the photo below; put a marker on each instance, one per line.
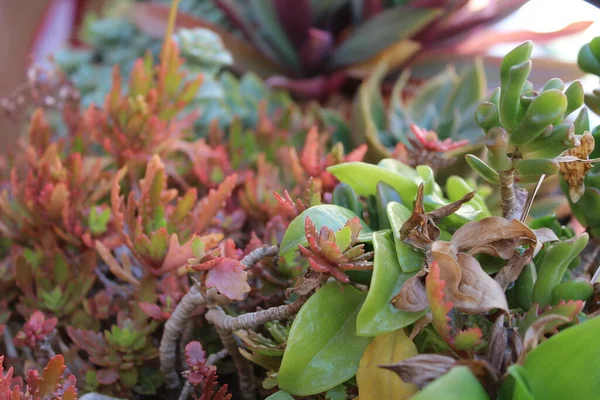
(173, 330)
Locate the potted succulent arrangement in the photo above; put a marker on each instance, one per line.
(282, 250)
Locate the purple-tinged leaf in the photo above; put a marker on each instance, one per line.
(296, 19)
(316, 49)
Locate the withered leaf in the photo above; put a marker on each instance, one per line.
(574, 172)
(422, 369)
(492, 235)
(413, 296)
(537, 330)
(500, 237)
(470, 288)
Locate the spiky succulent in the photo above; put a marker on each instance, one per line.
(312, 47)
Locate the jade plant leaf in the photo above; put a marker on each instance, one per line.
(323, 349)
(329, 215)
(375, 382)
(280, 395)
(457, 384)
(363, 178)
(563, 366)
(377, 315)
(409, 259)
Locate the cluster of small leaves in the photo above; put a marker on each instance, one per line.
(52, 383)
(201, 376)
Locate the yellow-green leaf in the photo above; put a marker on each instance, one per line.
(378, 383)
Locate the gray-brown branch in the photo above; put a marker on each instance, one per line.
(173, 330)
(513, 198)
(259, 254)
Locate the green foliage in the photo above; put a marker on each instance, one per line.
(320, 356)
(444, 105)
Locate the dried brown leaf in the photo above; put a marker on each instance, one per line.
(449, 209)
(476, 237)
(422, 369)
(412, 297)
(537, 330)
(470, 288)
(574, 172)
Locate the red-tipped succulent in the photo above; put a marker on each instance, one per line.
(160, 231)
(51, 384)
(332, 253)
(36, 330)
(201, 376)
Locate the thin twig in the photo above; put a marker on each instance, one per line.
(223, 321)
(173, 329)
(257, 255)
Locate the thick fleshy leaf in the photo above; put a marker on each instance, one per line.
(562, 366)
(229, 278)
(553, 265)
(368, 115)
(377, 315)
(382, 31)
(378, 383)
(280, 395)
(363, 178)
(458, 384)
(410, 260)
(295, 18)
(323, 350)
(329, 215)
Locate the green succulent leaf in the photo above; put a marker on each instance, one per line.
(482, 169)
(363, 178)
(382, 31)
(457, 384)
(323, 349)
(329, 215)
(377, 315)
(553, 265)
(560, 367)
(409, 259)
(280, 395)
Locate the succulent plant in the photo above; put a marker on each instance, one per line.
(120, 353)
(587, 196)
(114, 40)
(442, 107)
(312, 47)
(50, 384)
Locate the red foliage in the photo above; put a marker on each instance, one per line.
(332, 252)
(201, 376)
(35, 330)
(51, 384)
